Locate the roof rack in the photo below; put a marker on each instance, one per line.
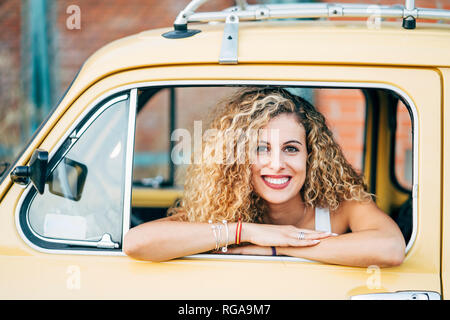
(244, 12)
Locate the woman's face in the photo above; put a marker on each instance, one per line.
(279, 170)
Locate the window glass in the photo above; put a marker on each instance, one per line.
(345, 112)
(193, 107)
(152, 157)
(151, 151)
(403, 147)
(84, 198)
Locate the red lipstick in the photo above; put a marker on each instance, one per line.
(276, 185)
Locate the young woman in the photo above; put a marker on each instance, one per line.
(272, 178)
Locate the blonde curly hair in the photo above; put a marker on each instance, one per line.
(220, 187)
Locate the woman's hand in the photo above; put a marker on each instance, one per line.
(267, 235)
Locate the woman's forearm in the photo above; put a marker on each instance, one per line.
(362, 249)
(165, 240)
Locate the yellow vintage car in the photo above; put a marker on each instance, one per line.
(105, 161)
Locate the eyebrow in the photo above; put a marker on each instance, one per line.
(290, 141)
(293, 141)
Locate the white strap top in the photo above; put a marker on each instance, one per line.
(323, 222)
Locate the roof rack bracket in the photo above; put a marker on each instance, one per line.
(335, 11)
(229, 50)
(410, 14)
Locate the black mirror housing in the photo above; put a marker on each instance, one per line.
(36, 171)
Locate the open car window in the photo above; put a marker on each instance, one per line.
(358, 117)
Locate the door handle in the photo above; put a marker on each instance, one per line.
(399, 295)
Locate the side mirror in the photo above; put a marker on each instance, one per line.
(68, 178)
(36, 171)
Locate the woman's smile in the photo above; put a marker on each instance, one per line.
(276, 182)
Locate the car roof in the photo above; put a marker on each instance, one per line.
(279, 42)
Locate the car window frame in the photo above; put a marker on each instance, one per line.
(393, 172)
(315, 84)
(288, 83)
(172, 106)
(93, 112)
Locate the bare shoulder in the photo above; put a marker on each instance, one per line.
(364, 216)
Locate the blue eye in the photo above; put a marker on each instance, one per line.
(262, 149)
(291, 149)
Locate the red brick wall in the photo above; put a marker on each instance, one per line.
(345, 113)
(10, 42)
(105, 20)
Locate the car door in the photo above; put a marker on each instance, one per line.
(446, 185)
(68, 269)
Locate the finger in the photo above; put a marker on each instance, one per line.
(301, 235)
(305, 243)
(310, 231)
(321, 235)
(307, 230)
(328, 232)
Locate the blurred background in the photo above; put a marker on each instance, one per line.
(43, 44)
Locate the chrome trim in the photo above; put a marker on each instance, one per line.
(188, 10)
(229, 49)
(331, 84)
(399, 295)
(309, 10)
(106, 242)
(129, 163)
(78, 134)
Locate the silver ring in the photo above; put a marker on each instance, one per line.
(301, 235)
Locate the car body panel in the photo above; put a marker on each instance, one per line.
(32, 273)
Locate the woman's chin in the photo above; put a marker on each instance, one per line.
(276, 199)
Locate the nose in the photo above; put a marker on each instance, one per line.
(276, 161)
